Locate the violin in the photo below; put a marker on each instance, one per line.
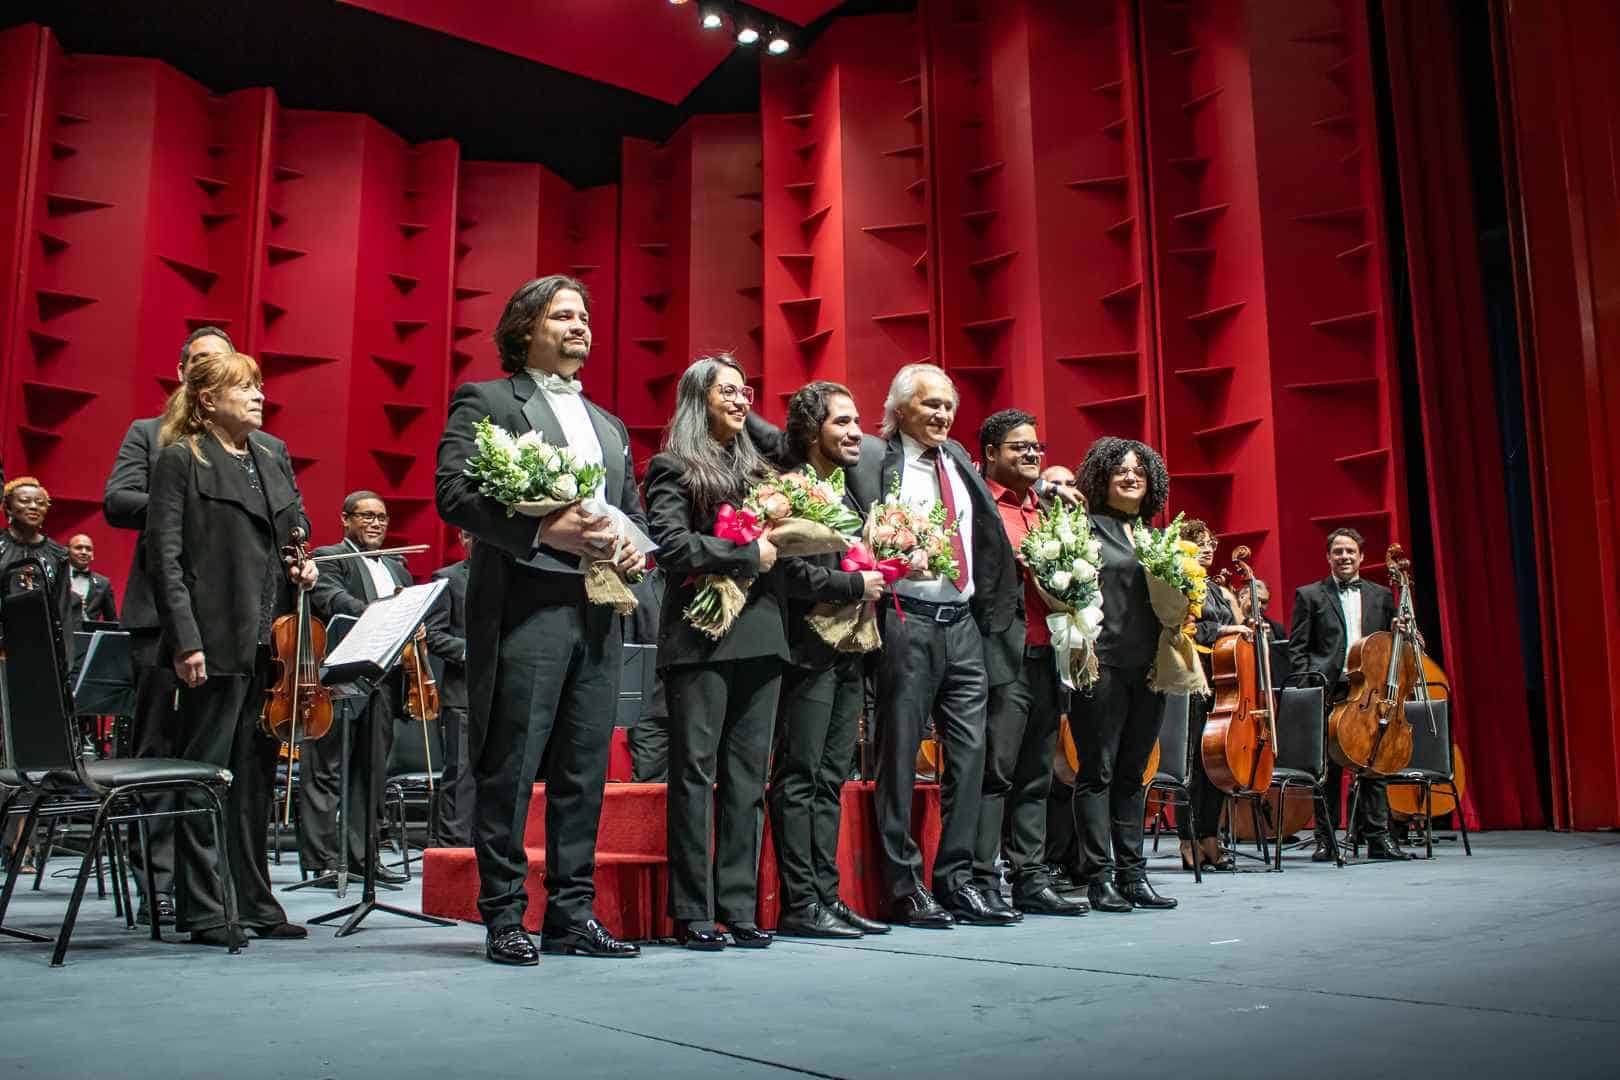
(298, 706)
(1239, 746)
(1368, 732)
(421, 692)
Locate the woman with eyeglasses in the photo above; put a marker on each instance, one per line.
(1200, 830)
(722, 695)
(1116, 724)
(26, 502)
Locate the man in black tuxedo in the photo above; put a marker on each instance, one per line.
(89, 595)
(447, 641)
(123, 505)
(1329, 616)
(348, 587)
(542, 662)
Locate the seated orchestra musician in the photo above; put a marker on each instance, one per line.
(89, 594)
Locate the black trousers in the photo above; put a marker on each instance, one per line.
(649, 749)
(1114, 730)
(1020, 736)
(1062, 841)
(455, 809)
(320, 780)
(153, 731)
(1207, 799)
(557, 676)
(816, 727)
(720, 721)
(219, 724)
(929, 670)
(1372, 805)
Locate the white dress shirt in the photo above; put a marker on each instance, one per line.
(1350, 602)
(382, 580)
(80, 584)
(919, 484)
(575, 420)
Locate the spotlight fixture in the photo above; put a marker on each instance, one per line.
(711, 17)
(779, 43)
(678, 3)
(747, 35)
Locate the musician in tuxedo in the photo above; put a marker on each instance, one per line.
(89, 595)
(447, 641)
(1281, 663)
(542, 661)
(123, 505)
(1329, 616)
(348, 587)
(722, 691)
(223, 503)
(818, 718)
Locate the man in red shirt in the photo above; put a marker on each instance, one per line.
(1022, 715)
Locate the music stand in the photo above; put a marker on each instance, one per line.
(106, 676)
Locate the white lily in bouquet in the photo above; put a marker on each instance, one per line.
(1062, 558)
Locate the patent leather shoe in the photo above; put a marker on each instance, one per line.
(1048, 901)
(1142, 895)
(921, 910)
(387, 875)
(700, 937)
(749, 936)
(511, 946)
(969, 905)
(1323, 853)
(998, 903)
(856, 919)
(282, 931)
(1104, 897)
(1383, 849)
(589, 938)
(814, 921)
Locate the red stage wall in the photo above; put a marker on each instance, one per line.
(1145, 218)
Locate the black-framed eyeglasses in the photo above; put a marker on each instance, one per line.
(370, 516)
(1026, 447)
(733, 392)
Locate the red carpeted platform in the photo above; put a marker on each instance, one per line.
(631, 876)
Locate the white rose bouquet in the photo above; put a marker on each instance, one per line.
(1062, 558)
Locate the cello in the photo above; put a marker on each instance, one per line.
(1368, 731)
(1239, 746)
(298, 706)
(1406, 800)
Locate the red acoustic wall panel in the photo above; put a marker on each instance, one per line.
(21, 52)
(593, 257)
(651, 347)
(497, 238)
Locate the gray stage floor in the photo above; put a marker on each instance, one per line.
(1506, 964)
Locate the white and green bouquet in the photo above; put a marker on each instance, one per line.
(1177, 586)
(1063, 559)
(529, 476)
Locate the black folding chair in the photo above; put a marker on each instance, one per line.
(1302, 753)
(47, 754)
(1432, 766)
(1175, 769)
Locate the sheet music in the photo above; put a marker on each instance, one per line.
(381, 631)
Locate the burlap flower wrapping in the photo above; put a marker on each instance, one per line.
(603, 583)
(1175, 669)
(730, 593)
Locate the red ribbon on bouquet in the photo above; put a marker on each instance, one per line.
(738, 526)
(858, 558)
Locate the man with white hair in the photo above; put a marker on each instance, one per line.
(956, 639)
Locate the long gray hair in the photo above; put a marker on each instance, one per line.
(903, 386)
(715, 472)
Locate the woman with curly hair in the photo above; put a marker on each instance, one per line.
(1116, 724)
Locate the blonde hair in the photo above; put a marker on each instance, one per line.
(20, 482)
(183, 415)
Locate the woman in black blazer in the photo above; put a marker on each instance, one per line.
(222, 506)
(722, 694)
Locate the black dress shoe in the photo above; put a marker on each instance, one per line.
(998, 903)
(748, 936)
(387, 875)
(969, 906)
(814, 921)
(1323, 853)
(1104, 897)
(282, 931)
(702, 937)
(1048, 901)
(165, 910)
(511, 946)
(590, 938)
(219, 937)
(1382, 849)
(856, 919)
(921, 910)
(1142, 895)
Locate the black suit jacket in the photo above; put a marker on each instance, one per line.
(345, 586)
(507, 570)
(97, 605)
(207, 551)
(687, 551)
(124, 502)
(1316, 640)
(447, 635)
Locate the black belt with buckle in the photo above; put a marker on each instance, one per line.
(944, 614)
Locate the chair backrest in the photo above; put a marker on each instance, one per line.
(1174, 764)
(105, 681)
(40, 730)
(1300, 731)
(1431, 737)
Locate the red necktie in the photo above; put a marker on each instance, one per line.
(947, 495)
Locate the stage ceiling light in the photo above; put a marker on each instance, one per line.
(779, 43)
(711, 18)
(747, 35)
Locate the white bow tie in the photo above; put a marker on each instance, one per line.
(554, 383)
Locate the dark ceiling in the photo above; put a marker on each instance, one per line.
(318, 54)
